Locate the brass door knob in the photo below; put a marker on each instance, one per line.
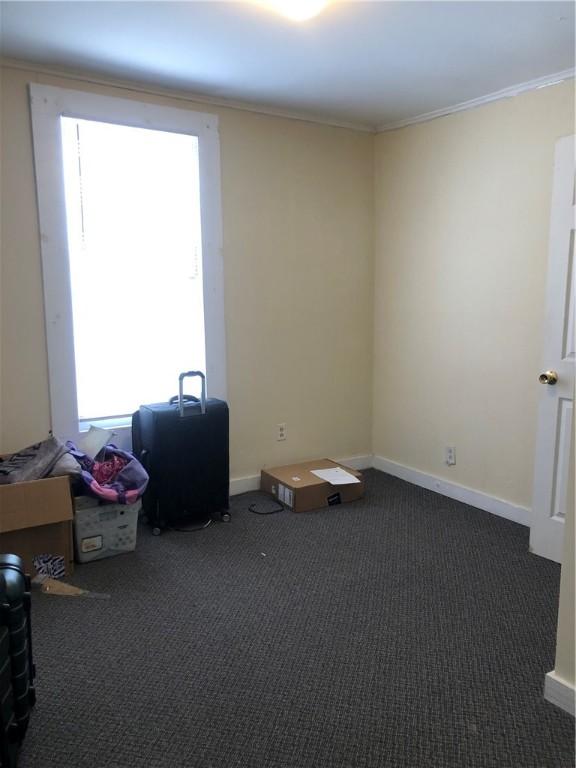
(548, 377)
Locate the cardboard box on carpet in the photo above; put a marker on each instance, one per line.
(36, 519)
(300, 490)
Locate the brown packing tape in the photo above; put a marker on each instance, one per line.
(50, 586)
(53, 587)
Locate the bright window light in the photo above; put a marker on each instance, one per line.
(134, 242)
(297, 10)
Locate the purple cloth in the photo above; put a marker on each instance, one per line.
(125, 487)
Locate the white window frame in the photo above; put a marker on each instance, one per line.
(48, 105)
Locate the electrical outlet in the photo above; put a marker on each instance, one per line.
(281, 431)
(450, 455)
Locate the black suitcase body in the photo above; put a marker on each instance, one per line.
(183, 444)
(17, 672)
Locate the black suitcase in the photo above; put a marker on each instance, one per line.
(8, 735)
(17, 672)
(183, 444)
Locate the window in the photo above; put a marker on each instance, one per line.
(133, 222)
(129, 207)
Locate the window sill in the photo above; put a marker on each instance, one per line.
(120, 428)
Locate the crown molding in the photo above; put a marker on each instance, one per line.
(179, 94)
(199, 98)
(505, 93)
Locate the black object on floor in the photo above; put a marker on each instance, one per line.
(17, 694)
(405, 630)
(183, 444)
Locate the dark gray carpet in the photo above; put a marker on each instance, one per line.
(402, 630)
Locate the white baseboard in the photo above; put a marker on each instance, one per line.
(461, 493)
(559, 692)
(357, 462)
(252, 482)
(244, 484)
(469, 496)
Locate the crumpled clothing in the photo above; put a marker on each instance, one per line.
(66, 466)
(106, 471)
(31, 463)
(118, 477)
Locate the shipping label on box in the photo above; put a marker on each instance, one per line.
(285, 495)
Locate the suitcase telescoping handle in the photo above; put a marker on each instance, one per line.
(181, 390)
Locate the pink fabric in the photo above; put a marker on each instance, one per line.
(105, 471)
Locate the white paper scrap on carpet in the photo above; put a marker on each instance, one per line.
(336, 476)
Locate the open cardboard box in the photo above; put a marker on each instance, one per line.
(36, 519)
(295, 486)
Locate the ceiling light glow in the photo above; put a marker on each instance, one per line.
(296, 10)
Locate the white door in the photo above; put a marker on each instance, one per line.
(554, 465)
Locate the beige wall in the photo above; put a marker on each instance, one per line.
(462, 216)
(462, 208)
(461, 225)
(298, 256)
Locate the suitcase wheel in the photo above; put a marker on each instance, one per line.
(156, 531)
(225, 517)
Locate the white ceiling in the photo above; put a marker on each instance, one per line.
(364, 63)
